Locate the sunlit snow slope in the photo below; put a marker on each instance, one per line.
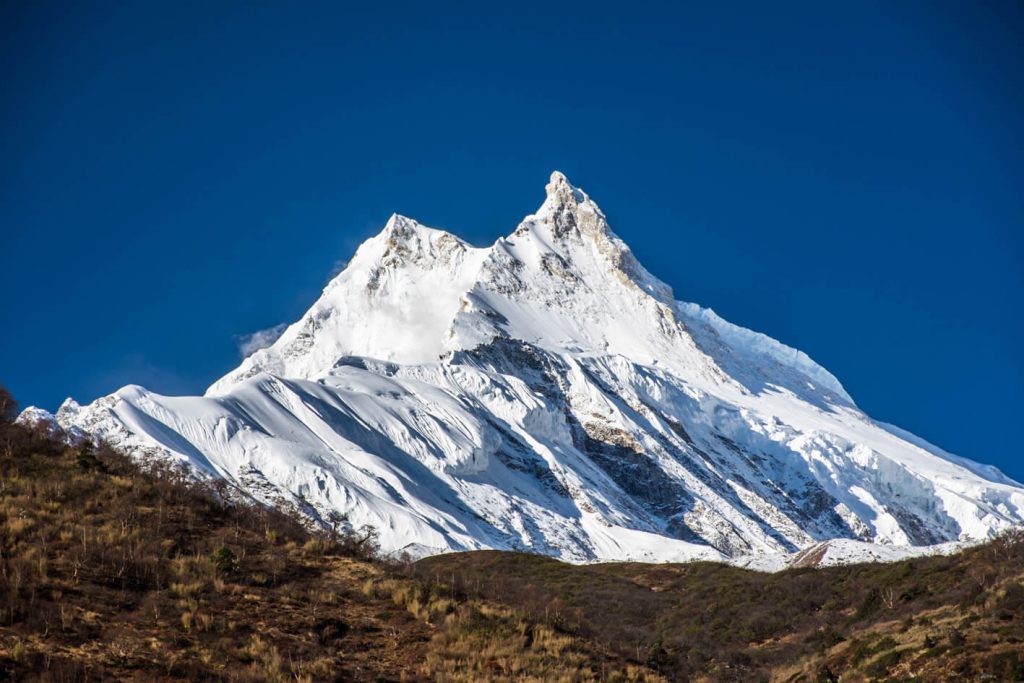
(547, 393)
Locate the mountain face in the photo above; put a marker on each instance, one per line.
(549, 394)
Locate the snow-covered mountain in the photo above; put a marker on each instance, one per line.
(548, 394)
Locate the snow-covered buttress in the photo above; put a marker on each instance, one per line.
(549, 394)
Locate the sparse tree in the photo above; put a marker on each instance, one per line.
(888, 596)
(336, 520)
(982, 576)
(1009, 545)
(87, 459)
(8, 406)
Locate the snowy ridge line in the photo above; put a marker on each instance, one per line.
(755, 342)
(549, 394)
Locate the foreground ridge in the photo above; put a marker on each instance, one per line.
(547, 393)
(114, 569)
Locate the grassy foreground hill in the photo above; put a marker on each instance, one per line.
(112, 570)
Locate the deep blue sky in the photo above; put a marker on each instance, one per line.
(846, 177)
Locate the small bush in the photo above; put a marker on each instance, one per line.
(881, 665)
(1011, 604)
(957, 638)
(224, 560)
(87, 460)
(870, 605)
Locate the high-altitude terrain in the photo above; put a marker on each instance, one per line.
(548, 394)
(112, 569)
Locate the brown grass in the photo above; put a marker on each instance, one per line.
(112, 571)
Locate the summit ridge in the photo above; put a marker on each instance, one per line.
(547, 393)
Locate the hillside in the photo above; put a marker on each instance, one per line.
(927, 619)
(109, 570)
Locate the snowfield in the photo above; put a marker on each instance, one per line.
(548, 394)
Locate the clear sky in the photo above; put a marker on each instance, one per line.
(844, 176)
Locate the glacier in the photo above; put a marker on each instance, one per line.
(548, 394)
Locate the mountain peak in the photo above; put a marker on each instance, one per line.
(398, 223)
(568, 211)
(559, 185)
(562, 194)
(400, 229)
(547, 393)
(405, 240)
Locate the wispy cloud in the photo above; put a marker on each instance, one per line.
(260, 339)
(336, 269)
